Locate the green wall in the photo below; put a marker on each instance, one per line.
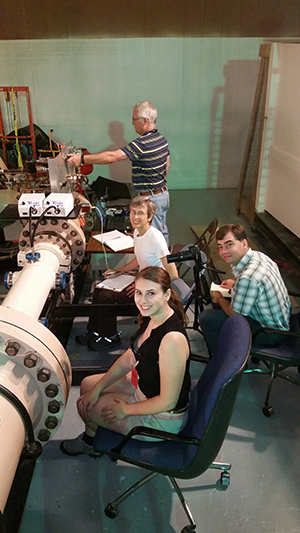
(85, 89)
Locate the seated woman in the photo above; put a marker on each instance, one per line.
(149, 384)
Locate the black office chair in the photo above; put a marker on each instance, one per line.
(202, 242)
(191, 452)
(277, 358)
(110, 189)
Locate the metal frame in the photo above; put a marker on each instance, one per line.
(22, 138)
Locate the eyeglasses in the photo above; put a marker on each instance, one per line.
(138, 118)
(226, 246)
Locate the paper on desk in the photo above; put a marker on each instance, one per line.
(116, 283)
(215, 287)
(115, 240)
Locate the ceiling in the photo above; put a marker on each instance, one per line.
(94, 19)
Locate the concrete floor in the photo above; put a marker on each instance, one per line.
(68, 495)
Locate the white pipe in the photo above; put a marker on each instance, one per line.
(12, 439)
(30, 338)
(31, 288)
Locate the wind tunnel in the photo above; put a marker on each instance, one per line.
(35, 371)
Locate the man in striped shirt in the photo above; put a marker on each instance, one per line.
(258, 291)
(150, 158)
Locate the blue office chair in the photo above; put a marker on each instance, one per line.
(277, 358)
(191, 452)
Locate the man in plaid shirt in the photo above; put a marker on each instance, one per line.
(258, 291)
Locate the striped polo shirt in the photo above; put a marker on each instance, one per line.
(148, 155)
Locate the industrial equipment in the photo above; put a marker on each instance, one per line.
(35, 371)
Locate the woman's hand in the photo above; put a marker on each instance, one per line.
(114, 412)
(130, 290)
(86, 402)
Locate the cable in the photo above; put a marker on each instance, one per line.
(6, 257)
(37, 223)
(11, 247)
(30, 227)
(101, 233)
(14, 400)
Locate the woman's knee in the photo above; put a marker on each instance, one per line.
(89, 382)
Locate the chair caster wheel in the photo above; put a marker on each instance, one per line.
(225, 479)
(111, 511)
(188, 529)
(268, 411)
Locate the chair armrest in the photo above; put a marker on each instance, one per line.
(149, 432)
(292, 293)
(282, 332)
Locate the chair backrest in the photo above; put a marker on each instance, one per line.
(110, 189)
(213, 398)
(208, 234)
(190, 263)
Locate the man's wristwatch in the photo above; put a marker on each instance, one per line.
(82, 159)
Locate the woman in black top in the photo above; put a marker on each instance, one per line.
(149, 384)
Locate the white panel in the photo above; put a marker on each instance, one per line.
(85, 89)
(283, 195)
(282, 180)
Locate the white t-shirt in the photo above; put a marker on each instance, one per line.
(150, 248)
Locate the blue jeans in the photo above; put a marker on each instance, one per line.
(162, 202)
(212, 320)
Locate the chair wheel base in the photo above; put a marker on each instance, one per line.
(268, 411)
(225, 479)
(188, 529)
(111, 511)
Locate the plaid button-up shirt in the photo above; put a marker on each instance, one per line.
(259, 291)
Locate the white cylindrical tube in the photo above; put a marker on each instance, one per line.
(36, 370)
(30, 290)
(12, 439)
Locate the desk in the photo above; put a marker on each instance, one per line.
(95, 247)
